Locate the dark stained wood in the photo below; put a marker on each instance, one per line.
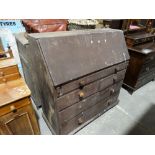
(75, 109)
(71, 68)
(87, 114)
(141, 69)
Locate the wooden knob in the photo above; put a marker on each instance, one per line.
(81, 95)
(80, 121)
(1, 73)
(151, 58)
(13, 108)
(116, 69)
(108, 102)
(147, 68)
(81, 84)
(80, 106)
(4, 80)
(112, 91)
(115, 79)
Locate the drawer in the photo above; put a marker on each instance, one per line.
(80, 94)
(145, 79)
(83, 117)
(70, 112)
(8, 71)
(19, 122)
(9, 77)
(146, 73)
(147, 69)
(149, 58)
(14, 106)
(89, 79)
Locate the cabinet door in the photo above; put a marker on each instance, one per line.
(20, 122)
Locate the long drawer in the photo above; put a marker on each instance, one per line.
(88, 114)
(10, 77)
(149, 77)
(150, 58)
(78, 95)
(8, 70)
(89, 79)
(68, 113)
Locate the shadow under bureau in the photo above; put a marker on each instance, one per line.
(78, 74)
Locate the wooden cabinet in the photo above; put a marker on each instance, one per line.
(18, 121)
(77, 74)
(17, 116)
(141, 69)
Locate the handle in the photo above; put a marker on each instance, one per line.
(109, 102)
(81, 95)
(115, 78)
(147, 69)
(151, 58)
(1, 73)
(112, 91)
(4, 80)
(80, 121)
(81, 84)
(117, 69)
(13, 109)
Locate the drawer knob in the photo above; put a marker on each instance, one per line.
(81, 95)
(4, 80)
(80, 106)
(81, 84)
(147, 68)
(112, 91)
(1, 73)
(115, 79)
(13, 108)
(151, 58)
(116, 69)
(80, 121)
(109, 102)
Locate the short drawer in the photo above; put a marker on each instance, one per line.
(147, 69)
(78, 95)
(149, 58)
(90, 78)
(14, 106)
(83, 117)
(9, 77)
(8, 70)
(145, 79)
(70, 112)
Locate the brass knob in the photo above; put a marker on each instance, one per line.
(81, 95)
(81, 84)
(1, 73)
(13, 108)
(80, 121)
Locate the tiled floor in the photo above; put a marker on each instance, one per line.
(135, 114)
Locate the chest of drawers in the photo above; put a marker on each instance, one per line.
(78, 74)
(8, 70)
(17, 116)
(141, 69)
